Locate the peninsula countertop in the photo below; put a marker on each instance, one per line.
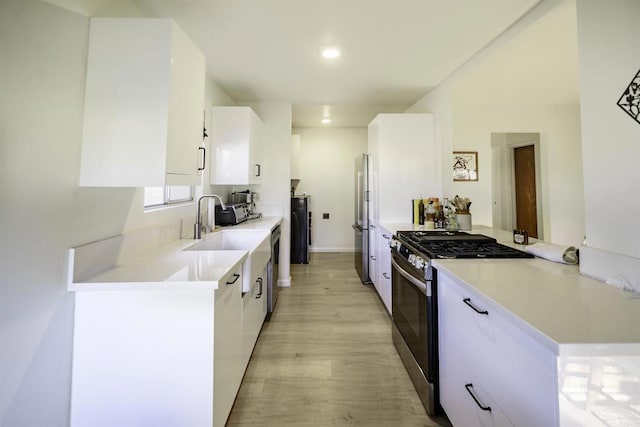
(552, 302)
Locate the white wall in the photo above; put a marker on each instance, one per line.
(43, 212)
(327, 161)
(44, 54)
(465, 122)
(274, 191)
(609, 51)
(560, 161)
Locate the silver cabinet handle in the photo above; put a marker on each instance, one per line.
(385, 276)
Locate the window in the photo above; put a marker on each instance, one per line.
(163, 196)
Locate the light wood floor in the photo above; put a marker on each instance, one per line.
(326, 357)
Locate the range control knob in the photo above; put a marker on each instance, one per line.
(419, 263)
(412, 259)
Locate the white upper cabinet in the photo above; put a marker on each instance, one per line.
(236, 145)
(144, 105)
(403, 163)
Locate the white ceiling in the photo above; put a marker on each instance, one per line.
(393, 51)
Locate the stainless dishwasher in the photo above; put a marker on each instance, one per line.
(272, 282)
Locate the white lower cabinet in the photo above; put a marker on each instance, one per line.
(380, 263)
(143, 357)
(228, 360)
(174, 355)
(507, 369)
(384, 261)
(254, 311)
(374, 266)
(473, 404)
(238, 321)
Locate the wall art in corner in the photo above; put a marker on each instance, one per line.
(465, 165)
(630, 99)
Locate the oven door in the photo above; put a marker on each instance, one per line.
(413, 308)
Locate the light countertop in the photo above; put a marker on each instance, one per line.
(168, 266)
(552, 302)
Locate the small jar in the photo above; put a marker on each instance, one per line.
(521, 237)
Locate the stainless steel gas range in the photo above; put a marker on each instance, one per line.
(414, 304)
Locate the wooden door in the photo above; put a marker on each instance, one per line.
(525, 189)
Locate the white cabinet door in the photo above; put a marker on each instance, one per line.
(254, 311)
(236, 144)
(374, 266)
(512, 370)
(140, 356)
(403, 154)
(384, 261)
(228, 360)
(144, 105)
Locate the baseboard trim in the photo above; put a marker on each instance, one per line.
(284, 283)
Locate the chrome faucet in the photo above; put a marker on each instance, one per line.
(197, 228)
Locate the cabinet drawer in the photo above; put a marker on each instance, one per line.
(516, 370)
(459, 391)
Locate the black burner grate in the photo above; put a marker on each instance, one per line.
(446, 244)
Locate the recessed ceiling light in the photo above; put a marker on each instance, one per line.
(330, 52)
(326, 120)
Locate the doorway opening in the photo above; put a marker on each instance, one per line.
(516, 182)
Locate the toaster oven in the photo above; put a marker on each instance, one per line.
(232, 215)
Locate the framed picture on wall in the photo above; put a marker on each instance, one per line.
(465, 165)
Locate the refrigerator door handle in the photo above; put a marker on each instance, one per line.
(358, 201)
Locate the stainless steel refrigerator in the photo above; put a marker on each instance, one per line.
(361, 220)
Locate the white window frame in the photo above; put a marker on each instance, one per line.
(167, 198)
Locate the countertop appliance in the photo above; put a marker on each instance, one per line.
(232, 215)
(247, 197)
(300, 229)
(414, 304)
(273, 271)
(361, 219)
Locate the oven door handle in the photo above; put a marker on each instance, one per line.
(415, 282)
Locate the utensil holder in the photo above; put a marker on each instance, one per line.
(464, 220)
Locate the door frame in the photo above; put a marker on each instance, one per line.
(505, 163)
(511, 146)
